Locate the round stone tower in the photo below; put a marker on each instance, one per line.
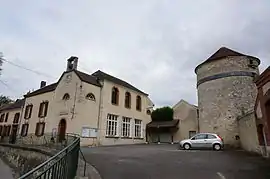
(226, 91)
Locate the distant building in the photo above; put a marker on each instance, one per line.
(184, 125)
(226, 91)
(103, 109)
(10, 116)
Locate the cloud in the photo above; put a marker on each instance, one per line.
(155, 45)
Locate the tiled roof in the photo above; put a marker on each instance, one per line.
(45, 89)
(224, 52)
(160, 124)
(17, 104)
(101, 75)
(87, 78)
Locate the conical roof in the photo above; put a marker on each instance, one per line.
(222, 53)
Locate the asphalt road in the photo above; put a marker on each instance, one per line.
(167, 162)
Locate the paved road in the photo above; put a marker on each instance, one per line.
(5, 171)
(166, 162)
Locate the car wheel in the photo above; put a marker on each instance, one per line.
(217, 147)
(186, 146)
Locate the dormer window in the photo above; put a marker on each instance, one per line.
(66, 96)
(90, 96)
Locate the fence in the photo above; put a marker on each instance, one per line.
(63, 165)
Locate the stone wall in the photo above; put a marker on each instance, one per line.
(248, 133)
(223, 98)
(22, 159)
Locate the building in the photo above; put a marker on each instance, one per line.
(101, 108)
(262, 109)
(184, 125)
(226, 90)
(10, 116)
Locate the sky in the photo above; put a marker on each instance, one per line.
(155, 45)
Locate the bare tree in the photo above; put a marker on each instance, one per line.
(1, 61)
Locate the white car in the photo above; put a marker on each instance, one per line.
(203, 140)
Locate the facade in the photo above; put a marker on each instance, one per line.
(10, 116)
(262, 111)
(184, 125)
(101, 108)
(226, 90)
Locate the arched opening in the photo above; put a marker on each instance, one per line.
(115, 96)
(127, 100)
(90, 96)
(62, 130)
(139, 103)
(66, 96)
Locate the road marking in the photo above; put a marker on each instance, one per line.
(220, 175)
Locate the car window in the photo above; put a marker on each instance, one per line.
(211, 136)
(200, 136)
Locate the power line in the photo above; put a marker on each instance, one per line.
(28, 69)
(5, 84)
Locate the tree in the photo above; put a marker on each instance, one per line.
(1, 61)
(5, 100)
(162, 114)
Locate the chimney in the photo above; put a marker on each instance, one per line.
(42, 84)
(72, 63)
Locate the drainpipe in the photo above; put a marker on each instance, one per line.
(265, 143)
(99, 113)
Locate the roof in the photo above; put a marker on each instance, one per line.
(264, 75)
(221, 53)
(87, 78)
(104, 76)
(45, 89)
(185, 102)
(17, 104)
(161, 124)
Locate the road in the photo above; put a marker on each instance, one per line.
(167, 162)
(5, 171)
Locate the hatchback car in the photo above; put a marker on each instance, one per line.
(203, 140)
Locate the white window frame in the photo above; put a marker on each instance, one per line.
(138, 128)
(125, 128)
(112, 125)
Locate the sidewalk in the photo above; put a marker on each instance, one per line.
(5, 171)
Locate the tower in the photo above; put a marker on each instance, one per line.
(225, 91)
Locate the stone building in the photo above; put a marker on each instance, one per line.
(226, 90)
(10, 116)
(101, 108)
(184, 125)
(262, 109)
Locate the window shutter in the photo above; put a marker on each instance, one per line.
(30, 113)
(37, 126)
(46, 108)
(40, 109)
(43, 128)
(6, 119)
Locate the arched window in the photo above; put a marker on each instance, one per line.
(127, 100)
(139, 103)
(115, 96)
(90, 96)
(66, 96)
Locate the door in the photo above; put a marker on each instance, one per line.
(13, 133)
(210, 140)
(198, 141)
(62, 130)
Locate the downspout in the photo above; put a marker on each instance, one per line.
(74, 104)
(99, 113)
(198, 120)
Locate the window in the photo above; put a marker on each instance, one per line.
(148, 112)
(40, 126)
(6, 118)
(111, 128)
(138, 128)
(1, 129)
(28, 111)
(2, 117)
(66, 96)
(16, 118)
(115, 96)
(7, 132)
(209, 136)
(192, 133)
(126, 127)
(43, 109)
(199, 136)
(138, 103)
(127, 100)
(24, 130)
(90, 96)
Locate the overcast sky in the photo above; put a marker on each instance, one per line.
(153, 44)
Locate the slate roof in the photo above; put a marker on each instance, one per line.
(161, 124)
(224, 52)
(87, 78)
(45, 89)
(17, 104)
(101, 75)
